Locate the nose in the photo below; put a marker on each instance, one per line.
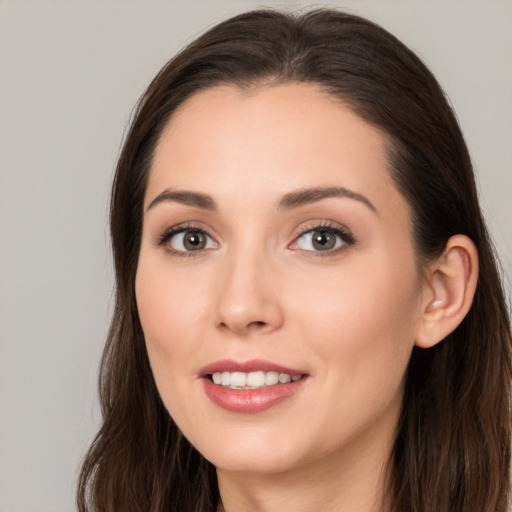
(248, 300)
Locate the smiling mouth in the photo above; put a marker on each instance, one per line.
(252, 380)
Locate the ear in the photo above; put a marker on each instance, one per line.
(450, 285)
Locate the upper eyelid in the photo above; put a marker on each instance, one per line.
(164, 236)
(322, 225)
(336, 228)
(325, 224)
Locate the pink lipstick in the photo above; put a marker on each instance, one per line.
(250, 386)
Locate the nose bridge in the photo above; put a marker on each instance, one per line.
(247, 298)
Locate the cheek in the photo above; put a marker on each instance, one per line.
(374, 295)
(171, 310)
(361, 331)
(167, 300)
(364, 320)
(169, 314)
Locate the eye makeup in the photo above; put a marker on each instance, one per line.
(324, 238)
(196, 244)
(316, 238)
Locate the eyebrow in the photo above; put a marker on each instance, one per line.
(184, 197)
(289, 201)
(312, 195)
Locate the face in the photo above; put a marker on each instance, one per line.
(277, 286)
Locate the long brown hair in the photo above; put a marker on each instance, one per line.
(452, 448)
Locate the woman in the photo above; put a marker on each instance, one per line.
(308, 311)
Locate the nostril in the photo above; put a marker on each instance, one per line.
(251, 326)
(258, 323)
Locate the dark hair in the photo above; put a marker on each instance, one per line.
(452, 448)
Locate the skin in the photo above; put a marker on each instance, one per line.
(347, 317)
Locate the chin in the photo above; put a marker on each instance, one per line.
(254, 463)
(251, 454)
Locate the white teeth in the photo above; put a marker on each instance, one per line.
(252, 380)
(284, 378)
(239, 379)
(271, 378)
(256, 379)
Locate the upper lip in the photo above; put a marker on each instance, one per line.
(252, 365)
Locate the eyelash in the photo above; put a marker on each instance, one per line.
(327, 227)
(180, 228)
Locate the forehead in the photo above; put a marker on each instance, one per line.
(269, 139)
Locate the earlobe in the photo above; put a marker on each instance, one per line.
(449, 291)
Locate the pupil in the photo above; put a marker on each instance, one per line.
(194, 240)
(323, 240)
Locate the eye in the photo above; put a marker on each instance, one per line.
(322, 239)
(188, 240)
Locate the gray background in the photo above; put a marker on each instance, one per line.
(70, 73)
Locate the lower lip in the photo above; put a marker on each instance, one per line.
(250, 400)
